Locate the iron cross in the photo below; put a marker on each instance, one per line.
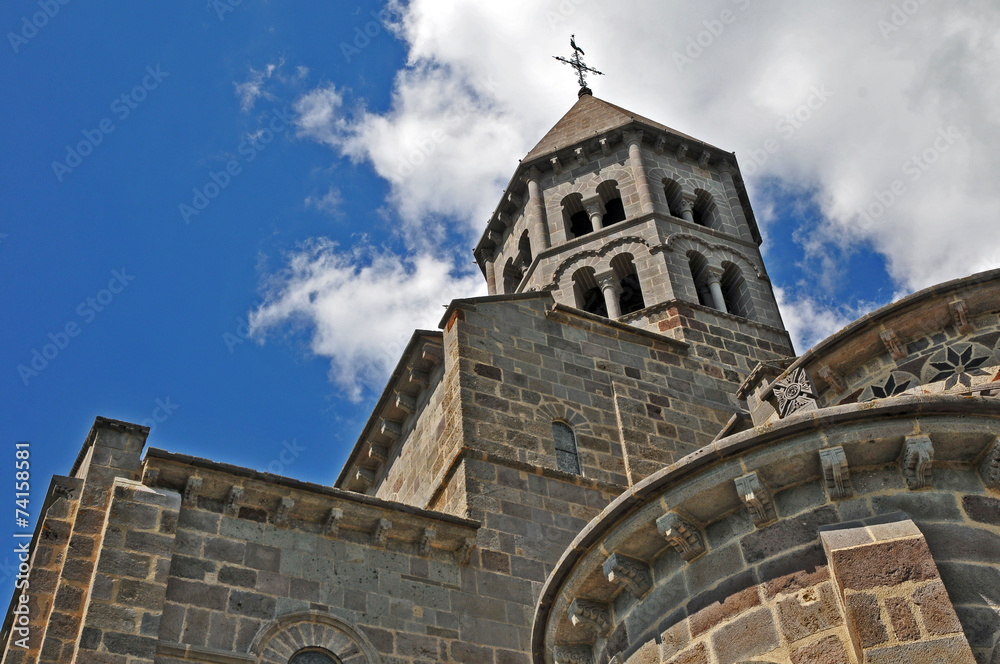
(577, 63)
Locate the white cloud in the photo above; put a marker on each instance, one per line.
(809, 321)
(359, 307)
(328, 202)
(481, 87)
(847, 102)
(253, 88)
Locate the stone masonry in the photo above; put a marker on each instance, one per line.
(614, 457)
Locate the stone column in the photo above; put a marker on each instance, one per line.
(687, 210)
(726, 170)
(715, 286)
(537, 223)
(612, 291)
(595, 209)
(634, 140)
(491, 277)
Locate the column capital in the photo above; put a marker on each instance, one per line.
(593, 205)
(608, 279)
(633, 136)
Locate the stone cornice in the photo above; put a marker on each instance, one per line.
(920, 314)
(744, 452)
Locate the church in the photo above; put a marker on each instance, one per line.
(613, 457)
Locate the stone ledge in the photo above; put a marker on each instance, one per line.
(312, 504)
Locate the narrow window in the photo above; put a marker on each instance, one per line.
(575, 217)
(511, 277)
(699, 273)
(567, 458)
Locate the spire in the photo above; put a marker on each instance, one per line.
(577, 63)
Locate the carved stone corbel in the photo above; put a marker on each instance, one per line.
(890, 339)
(573, 654)
(421, 378)
(836, 473)
(703, 158)
(464, 551)
(661, 144)
(433, 353)
(989, 467)
(233, 501)
(756, 497)
(960, 317)
(379, 453)
(917, 462)
(628, 573)
(832, 378)
(406, 402)
(581, 156)
(686, 538)
(366, 476)
(426, 541)
(333, 519)
(381, 531)
(605, 146)
(191, 489)
(556, 164)
(591, 612)
(390, 429)
(284, 511)
(682, 150)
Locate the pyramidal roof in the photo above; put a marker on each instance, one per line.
(590, 117)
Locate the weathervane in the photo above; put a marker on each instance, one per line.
(578, 64)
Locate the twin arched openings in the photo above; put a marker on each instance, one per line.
(702, 210)
(726, 292)
(583, 217)
(611, 294)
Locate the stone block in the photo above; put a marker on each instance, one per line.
(828, 650)
(808, 612)
(749, 635)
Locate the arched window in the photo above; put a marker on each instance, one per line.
(567, 457)
(588, 293)
(575, 217)
(631, 296)
(511, 277)
(699, 273)
(313, 656)
(674, 196)
(735, 291)
(614, 210)
(705, 211)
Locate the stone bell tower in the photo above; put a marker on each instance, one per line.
(627, 219)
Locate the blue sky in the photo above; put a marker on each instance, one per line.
(308, 139)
